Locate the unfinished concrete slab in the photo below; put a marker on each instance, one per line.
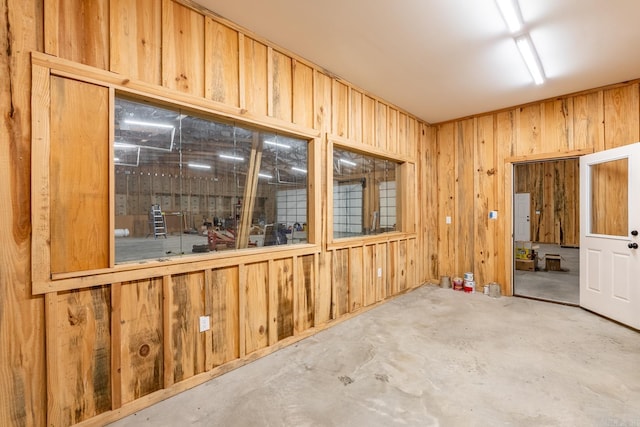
(432, 357)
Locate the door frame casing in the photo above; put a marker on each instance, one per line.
(509, 232)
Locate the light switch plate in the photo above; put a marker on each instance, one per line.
(447, 220)
(204, 323)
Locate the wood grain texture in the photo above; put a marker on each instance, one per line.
(369, 290)
(355, 121)
(322, 103)
(282, 86)
(141, 348)
(323, 289)
(79, 176)
(305, 294)
(79, 372)
(81, 32)
(222, 63)
(222, 304)
(529, 130)
(356, 277)
(340, 283)
(392, 130)
(381, 125)
(187, 343)
(254, 69)
(303, 96)
(369, 121)
(182, 49)
(256, 322)
(446, 200)
(392, 268)
(621, 116)
(136, 39)
(283, 287)
(22, 335)
(340, 109)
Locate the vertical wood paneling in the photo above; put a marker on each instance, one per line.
(22, 330)
(446, 200)
(369, 275)
(223, 306)
(340, 106)
(186, 341)
(302, 94)
(254, 64)
(402, 266)
(411, 264)
(392, 130)
(256, 323)
(340, 281)
(381, 125)
(283, 273)
(403, 135)
(282, 84)
(322, 103)
(528, 140)
(221, 63)
(369, 120)
(429, 215)
(182, 48)
(79, 176)
(588, 118)
(557, 131)
(355, 278)
(505, 147)
(621, 116)
(141, 349)
(80, 372)
(304, 315)
(136, 39)
(465, 140)
(323, 289)
(81, 32)
(355, 123)
(485, 186)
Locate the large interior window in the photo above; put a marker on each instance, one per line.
(189, 184)
(364, 194)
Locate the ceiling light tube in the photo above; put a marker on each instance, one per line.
(530, 56)
(124, 145)
(348, 162)
(198, 166)
(228, 157)
(277, 144)
(511, 14)
(299, 169)
(264, 175)
(149, 124)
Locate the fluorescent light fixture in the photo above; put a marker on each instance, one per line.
(124, 145)
(511, 14)
(116, 159)
(348, 162)
(264, 175)
(149, 124)
(299, 170)
(277, 144)
(198, 166)
(530, 56)
(228, 157)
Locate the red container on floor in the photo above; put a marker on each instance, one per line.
(458, 284)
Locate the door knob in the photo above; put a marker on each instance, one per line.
(633, 245)
(634, 232)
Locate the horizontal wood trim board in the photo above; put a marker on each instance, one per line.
(65, 68)
(361, 148)
(549, 156)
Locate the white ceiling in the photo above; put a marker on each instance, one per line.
(445, 59)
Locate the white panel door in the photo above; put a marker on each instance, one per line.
(522, 213)
(609, 225)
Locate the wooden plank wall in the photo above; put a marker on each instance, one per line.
(475, 158)
(117, 347)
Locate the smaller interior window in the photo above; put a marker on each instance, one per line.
(364, 194)
(188, 184)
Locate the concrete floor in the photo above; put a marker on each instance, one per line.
(432, 357)
(559, 286)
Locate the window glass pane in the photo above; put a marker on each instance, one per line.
(364, 194)
(190, 184)
(609, 198)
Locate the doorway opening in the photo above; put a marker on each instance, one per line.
(546, 224)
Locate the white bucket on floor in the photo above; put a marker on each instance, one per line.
(468, 277)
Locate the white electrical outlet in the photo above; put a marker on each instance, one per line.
(379, 271)
(204, 323)
(447, 220)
